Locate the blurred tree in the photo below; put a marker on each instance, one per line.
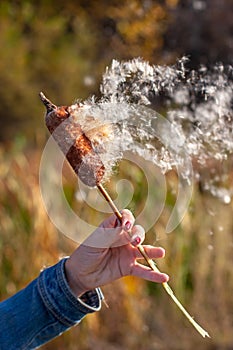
(63, 48)
(134, 28)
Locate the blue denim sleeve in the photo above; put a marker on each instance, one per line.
(43, 310)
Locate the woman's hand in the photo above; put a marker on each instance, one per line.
(110, 253)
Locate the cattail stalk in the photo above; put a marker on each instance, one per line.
(152, 265)
(92, 173)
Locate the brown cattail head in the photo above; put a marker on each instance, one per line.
(74, 143)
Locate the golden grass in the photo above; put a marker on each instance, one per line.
(141, 316)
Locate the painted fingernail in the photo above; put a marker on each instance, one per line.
(128, 225)
(136, 241)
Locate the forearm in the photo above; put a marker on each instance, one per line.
(43, 310)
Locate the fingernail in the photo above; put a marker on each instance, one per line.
(128, 225)
(136, 241)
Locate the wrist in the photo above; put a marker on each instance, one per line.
(76, 287)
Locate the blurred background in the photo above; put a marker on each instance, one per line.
(63, 48)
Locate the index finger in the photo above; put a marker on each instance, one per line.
(126, 223)
(111, 231)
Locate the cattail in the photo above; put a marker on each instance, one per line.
(82, 148)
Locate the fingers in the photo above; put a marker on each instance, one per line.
(111, 232)
(120, 232)
(137, 235)
(148, 274)
(152, 252)
(127, 220)
(134, 236)
(125, 224)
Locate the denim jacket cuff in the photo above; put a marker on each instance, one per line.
(91, 299)
(59, 299)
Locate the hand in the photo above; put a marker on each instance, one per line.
(110, 253)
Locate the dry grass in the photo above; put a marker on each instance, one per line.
(141, 316)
